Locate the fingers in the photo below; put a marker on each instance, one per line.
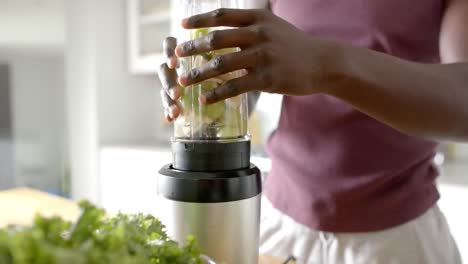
(169, 46)
(219, 65)
(231, 88)
(224, 17)
(168, 79)
(170, 91)
(171, 108)
(216, 40)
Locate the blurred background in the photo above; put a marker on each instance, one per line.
(80, 114)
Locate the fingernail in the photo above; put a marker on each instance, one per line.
(173, 111)
(202, 99)
(167, 115)
(174, 93)
(183, 79)
(178, 51)
(171, 62)
(184, 22)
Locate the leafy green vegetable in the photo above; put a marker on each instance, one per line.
(95, 239)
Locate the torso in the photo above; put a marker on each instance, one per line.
(335, 168)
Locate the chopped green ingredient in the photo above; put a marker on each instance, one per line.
(212, 111)
(95, 239)
(224, 51)
(207, 56)
(198, 33)
(224, 119)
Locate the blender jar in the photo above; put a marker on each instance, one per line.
(226, 119)
(211, 189)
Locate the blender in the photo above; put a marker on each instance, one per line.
(212, 190)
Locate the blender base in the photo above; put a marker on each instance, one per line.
(220, 209)
(226, 232)
(214, 192)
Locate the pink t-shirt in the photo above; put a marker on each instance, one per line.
(335, 168)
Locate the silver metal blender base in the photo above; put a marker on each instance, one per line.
(227, 232)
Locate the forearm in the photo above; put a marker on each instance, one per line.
(426, 100)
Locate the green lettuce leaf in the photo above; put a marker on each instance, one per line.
(95, 239)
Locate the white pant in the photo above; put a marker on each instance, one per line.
(425, 240)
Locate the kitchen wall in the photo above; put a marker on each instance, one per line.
(31, 45)
(106, 104)
(129, 108)
(32, 24)
(38, 119)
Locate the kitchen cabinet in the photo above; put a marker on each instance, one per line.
(149, 23)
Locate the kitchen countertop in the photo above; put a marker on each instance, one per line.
(19, 206)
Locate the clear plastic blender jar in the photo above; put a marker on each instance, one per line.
(226, 119)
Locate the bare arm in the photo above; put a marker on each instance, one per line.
(424, 100)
